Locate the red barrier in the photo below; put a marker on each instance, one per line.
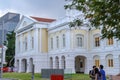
(56, 77)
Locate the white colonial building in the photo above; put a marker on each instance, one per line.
(49, 43)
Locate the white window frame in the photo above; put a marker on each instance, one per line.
(109, 43)
(94, 42)
(79, 40)
(110, 61)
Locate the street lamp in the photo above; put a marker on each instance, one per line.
(1, 70)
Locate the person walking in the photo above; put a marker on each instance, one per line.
(98, 75)
(92, 73)
(102, 72)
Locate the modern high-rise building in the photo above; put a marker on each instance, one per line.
(8, 23)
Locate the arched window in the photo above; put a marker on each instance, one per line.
(79, 40)
(63, 62)
(96, 60)
(110, 41)
(109, 60)
(96, 40)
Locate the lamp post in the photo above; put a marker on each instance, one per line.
(1, 70)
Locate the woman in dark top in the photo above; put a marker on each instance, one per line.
(98, 75)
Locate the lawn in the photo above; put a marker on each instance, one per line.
(27, 76)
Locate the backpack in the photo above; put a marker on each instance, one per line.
(91, 74)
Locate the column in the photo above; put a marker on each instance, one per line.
(21, 43)
(60, 63)
(29, 41)
(36, 40)
(16, 66)
(54, 42)
(20, 66)
(54, 64)
(103, 60)
(116, 65)
(115, 42)
(28, 66)
(16, 45)
(102, 44)
(40, 41)
(88, 64)
(70, 64)
(68, 39)
(60, 41)
(87, 37)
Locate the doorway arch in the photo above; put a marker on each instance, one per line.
(24, 65)
(63, 62)
(80, 64)
(31, 65)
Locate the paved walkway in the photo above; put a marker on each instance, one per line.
(115, 77)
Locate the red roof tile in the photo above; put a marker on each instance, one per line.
(43, 19)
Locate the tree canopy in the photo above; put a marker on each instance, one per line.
(100, 12)
(10, 53)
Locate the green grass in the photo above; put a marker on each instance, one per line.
(27, 76)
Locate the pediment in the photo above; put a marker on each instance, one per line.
(24, 22)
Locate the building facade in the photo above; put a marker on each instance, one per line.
(47, 43)
(8, 22)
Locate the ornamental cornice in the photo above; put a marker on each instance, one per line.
(58, 26)
(25, 28)
(59, 23)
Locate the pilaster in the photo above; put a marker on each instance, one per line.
(68, 39)
(88, 64)
(22, 46)
(54, 64)
(60, 63)
(29, 41)
(20, 66)
(16, 45)
(40, 40)
(28, 66)
(116, 64)
(70, 63)
(36, 40)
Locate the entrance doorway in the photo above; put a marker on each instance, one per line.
(79, 64)
(24, 65)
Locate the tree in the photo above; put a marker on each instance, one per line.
(99, 12)
(10, 52)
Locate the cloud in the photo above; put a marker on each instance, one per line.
(40, 8)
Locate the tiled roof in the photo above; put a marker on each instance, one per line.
(43, 19)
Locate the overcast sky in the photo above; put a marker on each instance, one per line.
(39, 8)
